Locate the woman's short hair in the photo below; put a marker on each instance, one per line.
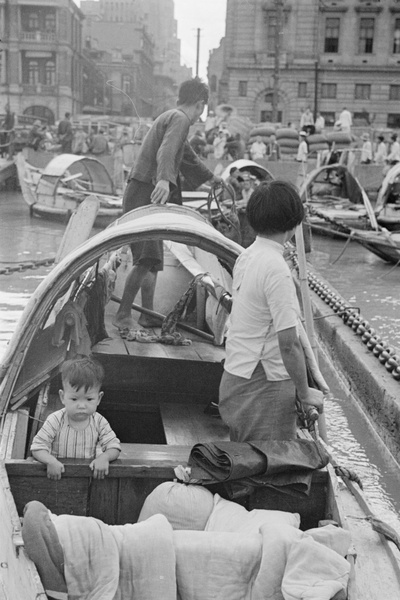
(193, 90)
(274, 207)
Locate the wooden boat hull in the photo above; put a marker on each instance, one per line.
(47, 191)
(157, 397)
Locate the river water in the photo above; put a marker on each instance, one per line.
(362, 278)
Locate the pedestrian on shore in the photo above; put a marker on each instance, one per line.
(319, 123)
(77, 430)
(98, 145)
(307, 121)
(79, 144)
(258, 149)
(394, 154)
(265, 364)
(273, 150)
(154, 178)
(7, 134)
(65, 133)
(366, 150)
(345, 121)
(198, 143)
(381, 151)
(219, 145)
(35, 135)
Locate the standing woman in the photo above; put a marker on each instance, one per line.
(265, 363)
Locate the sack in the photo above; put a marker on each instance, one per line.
(185, 506)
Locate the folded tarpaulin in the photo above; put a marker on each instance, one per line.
(286, 465)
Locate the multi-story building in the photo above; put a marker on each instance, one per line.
(284, 55)
(41, 60)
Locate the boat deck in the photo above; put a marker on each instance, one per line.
(199, 349)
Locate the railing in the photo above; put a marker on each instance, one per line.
(37, 36)
(38, 88)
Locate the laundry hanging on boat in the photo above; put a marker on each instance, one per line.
(71, 325)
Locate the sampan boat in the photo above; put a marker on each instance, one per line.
(58, 189)
(387, 208)
(158, 398)
(336, 201)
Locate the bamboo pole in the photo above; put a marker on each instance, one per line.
(308, 316)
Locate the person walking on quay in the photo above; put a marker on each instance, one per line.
(307, 121)
(219, 144)
(381, 151)
(345, 122)
(394, 154)
(258, 149)
(302, 155)
(154, 178)
(35, 135)
(98, 145)
(265, 364)
(319, 123)
(366, 150)
(65, 133)
(79, 144)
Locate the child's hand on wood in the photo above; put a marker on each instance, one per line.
(99, 466)
(55, 469)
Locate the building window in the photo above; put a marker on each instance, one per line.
(50, 73)
(332, 35)
(126, 84)
(396, 37)
(328, 90)
(271, 29)
(302, 92)
(33, 72)
(361, 119)
(266, 116)
(393, 121)
(362, 91)
(33, 22)
(394, 92)
(242, 88)
(50, 23)
(366, 39)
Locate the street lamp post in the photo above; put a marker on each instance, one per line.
(277, 48)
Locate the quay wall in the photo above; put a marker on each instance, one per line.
(374, 388)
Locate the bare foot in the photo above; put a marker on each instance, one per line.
(148, 321)
(125, 323)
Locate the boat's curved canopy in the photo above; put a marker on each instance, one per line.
(175, 223)
(71, 167)
(352, 188)
(251, 167)
(391, 178)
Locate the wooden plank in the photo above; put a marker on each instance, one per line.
(18, 575)
(132, 494)
(103, 499)
(79, 226)
(18, 449)
(188, 424)
(111, 346)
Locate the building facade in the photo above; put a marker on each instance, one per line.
(282, 56)
(41, 60)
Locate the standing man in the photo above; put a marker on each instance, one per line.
(65, 133)
(301, 158)
(345, 121)
(165, 152)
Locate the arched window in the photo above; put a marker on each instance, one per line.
(33, 72)
(50, 22)
(50, 73)
(33, 21)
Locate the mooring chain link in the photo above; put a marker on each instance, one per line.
(380, 348)
(24, 266)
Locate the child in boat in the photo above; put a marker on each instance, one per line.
(77, 430)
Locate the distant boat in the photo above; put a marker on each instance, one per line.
(387, 207)
(55, 191)
(337, 203)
